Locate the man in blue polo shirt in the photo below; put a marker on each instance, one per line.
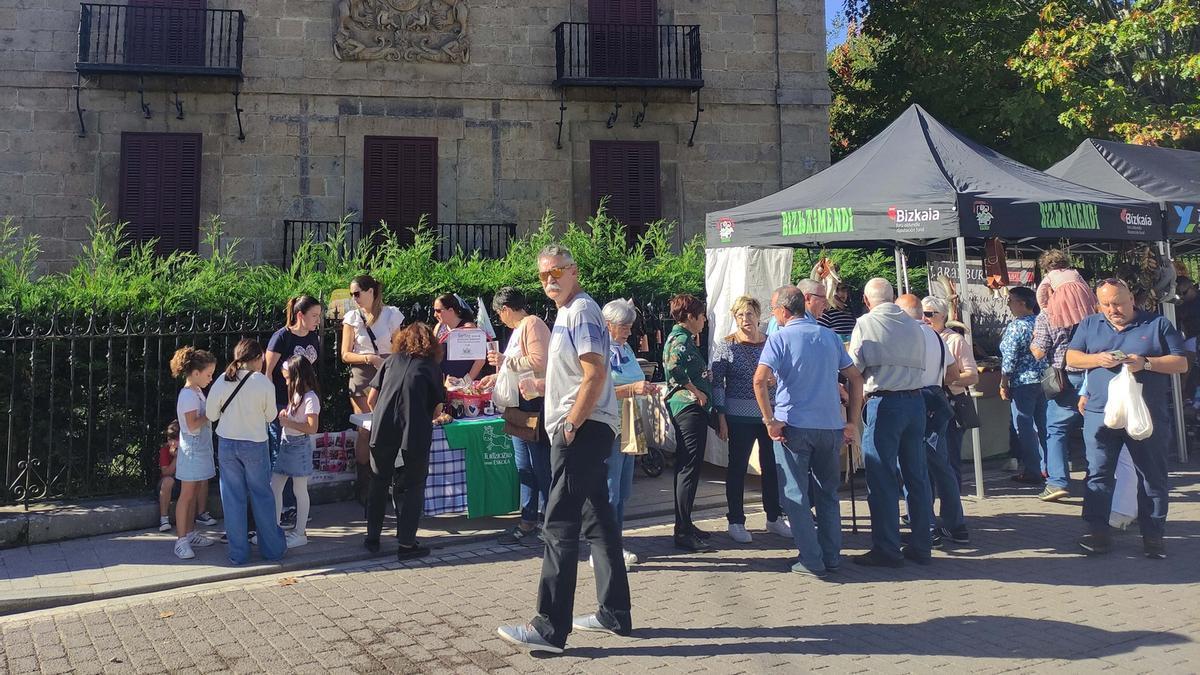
(1147, 344)
(805, 358)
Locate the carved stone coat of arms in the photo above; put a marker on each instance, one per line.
(402, 30)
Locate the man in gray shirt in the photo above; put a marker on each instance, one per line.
(888, 347)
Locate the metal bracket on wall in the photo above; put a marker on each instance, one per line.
(562, 114)
(612, 119)
(142, 97)
(79, 110)
(178, 103)
(640, 117)
(237, 110)
(696, 120)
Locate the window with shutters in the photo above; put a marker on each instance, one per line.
(399, 183)
(160, 190)
(627, 172)
(623, 38)
(165, 32)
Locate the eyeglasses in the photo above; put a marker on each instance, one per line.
(1112, 281)
(930, 314)
(745, 315)
(553, 273)
(813, 296)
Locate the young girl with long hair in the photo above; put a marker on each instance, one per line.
(295, 457)
(194, 461)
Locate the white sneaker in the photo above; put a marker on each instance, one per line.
(183, 549)
(631, 559)
(295, 539)
(197, 539)
(1120, 521)
(164, 524)
(780, 527)
(206, 519)
(254, 540)
(738, 533)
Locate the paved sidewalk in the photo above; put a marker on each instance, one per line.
(124, 563)
(1020, 598)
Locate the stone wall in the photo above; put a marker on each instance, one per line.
(764, 125)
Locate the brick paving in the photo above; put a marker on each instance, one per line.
(1018, 598)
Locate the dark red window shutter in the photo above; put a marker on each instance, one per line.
(399, 183)
(627, 172)
(630, 50)
(166, 32)
(160, 190)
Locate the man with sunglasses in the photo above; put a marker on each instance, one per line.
(806, 423)
(1122, 335)
(581, 418)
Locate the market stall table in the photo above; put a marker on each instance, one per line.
(472, 468)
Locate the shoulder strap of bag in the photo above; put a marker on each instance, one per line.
(235, 393)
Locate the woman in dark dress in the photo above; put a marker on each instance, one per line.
(406, 400)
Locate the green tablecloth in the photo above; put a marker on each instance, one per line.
(492, 485)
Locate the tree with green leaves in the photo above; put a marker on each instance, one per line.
(1125, 68)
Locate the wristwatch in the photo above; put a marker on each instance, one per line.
(570, 427)
(1147, 360)
(768, 421)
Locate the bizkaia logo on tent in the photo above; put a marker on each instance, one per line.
(909, 216)
(1140, 219)
(725, 229)
(817, 221)
(1185, 224)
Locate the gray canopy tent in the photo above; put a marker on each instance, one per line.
(1165, 176)
(919, 183)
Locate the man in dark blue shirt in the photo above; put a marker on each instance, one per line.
(1147, 344)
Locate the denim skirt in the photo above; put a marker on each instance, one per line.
(295, 457)
(195, 458)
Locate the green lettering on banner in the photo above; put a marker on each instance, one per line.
(817, 221)
(1069, 216)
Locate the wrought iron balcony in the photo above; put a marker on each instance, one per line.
(490, 240)
(627, 55)
(147, 40)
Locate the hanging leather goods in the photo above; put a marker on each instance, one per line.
(995, 264)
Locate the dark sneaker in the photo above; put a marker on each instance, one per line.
(411, 551)
(592, 623)
(527, 637)
(1154, 548)
(371, 544)
(1027, 479)
(1053, 493)
(935, 538)
(690, 542)
(912, 555)
(516, 535)
(287, 521)
(1095, 544)
(874, 558)
(958, 535)
(703, 534)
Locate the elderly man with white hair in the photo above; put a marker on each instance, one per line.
(888, 348)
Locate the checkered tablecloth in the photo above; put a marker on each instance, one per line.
(446, 487)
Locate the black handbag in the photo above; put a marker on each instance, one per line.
(964, 411)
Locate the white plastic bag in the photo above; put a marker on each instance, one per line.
(506, 393)
(1117, 407)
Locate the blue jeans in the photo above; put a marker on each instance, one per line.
(1149, 458)
(246, 481)
(942, 478)
(1028, 406)
(954, 438)
(1062, 417)
(894, 433)
(815, 452)
(533, 471)
(620, 479)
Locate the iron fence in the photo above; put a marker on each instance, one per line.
(611, 54)
(85, 397)
(490, 240)
(165, 40)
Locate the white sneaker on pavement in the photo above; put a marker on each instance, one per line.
(780, 527)
(164, 524)
(738, 533)
(630, 559)
(197, 539)
(183, 549)
(295, 539)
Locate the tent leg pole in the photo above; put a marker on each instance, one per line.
(964, 306)
(1176, 381)
(899, 276)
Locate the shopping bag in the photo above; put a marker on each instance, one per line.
(633, 437)
(1138, 423)
(1117, 406)
(506, 393)
(656, 423)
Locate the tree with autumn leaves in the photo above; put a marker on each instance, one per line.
(1030, 78)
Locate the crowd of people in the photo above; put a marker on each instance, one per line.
(892, 382)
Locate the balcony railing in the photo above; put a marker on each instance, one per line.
(160, 40)
(627, 55)
(491, 240)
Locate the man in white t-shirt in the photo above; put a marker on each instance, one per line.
(581, 419)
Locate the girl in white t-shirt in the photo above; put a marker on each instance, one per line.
(194, 464)
(367, 334)
(295, 458)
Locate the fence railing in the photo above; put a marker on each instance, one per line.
(85, 397)
(491, 240)
(611, 54)
(164, 40)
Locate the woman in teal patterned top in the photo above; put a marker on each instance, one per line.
(689, 401)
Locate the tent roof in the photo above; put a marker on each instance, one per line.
(921, 180)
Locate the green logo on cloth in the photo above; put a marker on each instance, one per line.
(818, 221)
(1069, 216)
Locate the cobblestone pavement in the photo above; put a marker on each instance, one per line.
(1018, 598)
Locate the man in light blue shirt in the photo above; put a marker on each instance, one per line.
(805, 358)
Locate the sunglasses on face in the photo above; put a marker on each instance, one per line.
(930, 314)
(553, 273)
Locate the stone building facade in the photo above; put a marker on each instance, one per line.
(320, 78)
